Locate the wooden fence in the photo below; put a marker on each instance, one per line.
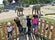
(3, 31)
(44, 34)
(46, 30)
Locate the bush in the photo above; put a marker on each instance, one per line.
(5, 2)
(16, 0)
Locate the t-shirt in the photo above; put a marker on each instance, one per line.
(35, 20)
(28, 22)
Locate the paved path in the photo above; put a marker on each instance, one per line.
(25, 37)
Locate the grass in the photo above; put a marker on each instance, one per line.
(6, 20)
(50, 14)
(30, 16)
(48, 20)
(1, 6)
(43, 18)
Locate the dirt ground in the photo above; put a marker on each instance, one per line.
(27, 11)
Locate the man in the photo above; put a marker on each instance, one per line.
(29, 24)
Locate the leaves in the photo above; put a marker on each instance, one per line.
(16, 0)
(10, 1)
(5, 2)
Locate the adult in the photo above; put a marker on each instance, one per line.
(18, 24)
(24, 24)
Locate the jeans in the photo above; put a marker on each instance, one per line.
(34, 25)
(9, 33)
(24, 30)
(29, 30)
(20, 29)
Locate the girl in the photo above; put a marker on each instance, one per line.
(9, 28)
(34, 23)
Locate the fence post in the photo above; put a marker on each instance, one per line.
(41, 29)
(40, 26)
(0, 34)
(44, 28)
(15, 29)
(48, 32)
(53, 33)
(3, 29)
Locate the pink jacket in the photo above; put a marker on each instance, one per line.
(34, 20)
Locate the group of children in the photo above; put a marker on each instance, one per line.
(27, 22)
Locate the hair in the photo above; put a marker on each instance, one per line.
(9, 24)
(36, 16)
(33, 15)
(27, 16)
(16, 18)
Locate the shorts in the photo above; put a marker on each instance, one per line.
(20, 29)
(34, 25)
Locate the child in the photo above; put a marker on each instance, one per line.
(34, 22)
(9, 28)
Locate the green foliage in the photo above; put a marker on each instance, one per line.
(1, 6)
(50, 14)
(10, 1)
(6, 20)
(5, 2)
(16, 0)
(48, 20)
(28, 1)
(36, 1)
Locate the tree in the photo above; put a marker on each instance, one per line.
(16, 0)
(10, 1)
(5, 2)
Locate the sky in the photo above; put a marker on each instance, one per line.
(1, 1)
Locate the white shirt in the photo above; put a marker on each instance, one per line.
(9, 29)
(24, 23)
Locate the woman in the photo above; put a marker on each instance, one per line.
(18, 24)
(24, 24)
